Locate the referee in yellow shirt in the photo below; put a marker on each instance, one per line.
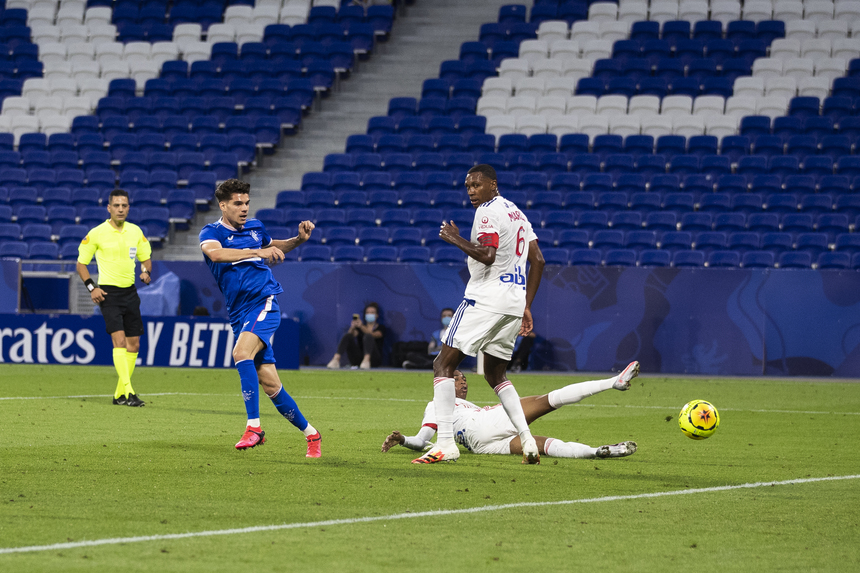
(116, 244)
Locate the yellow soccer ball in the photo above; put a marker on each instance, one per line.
(699, 419)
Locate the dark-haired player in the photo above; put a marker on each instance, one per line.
(116, 245)
(495, 309)
(488, 430)
(238, 251)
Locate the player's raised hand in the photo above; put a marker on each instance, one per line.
(394, 438)
(449, 232)
(305, 229)
(528, 324)
(271, 255)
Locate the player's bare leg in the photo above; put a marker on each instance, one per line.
(495, 372)
(558, 449)
(444, 394)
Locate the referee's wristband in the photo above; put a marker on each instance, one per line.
(91, 286)
(147, 272)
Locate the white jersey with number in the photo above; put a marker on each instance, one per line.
(486, 430)
(500, 287)
(462, 412)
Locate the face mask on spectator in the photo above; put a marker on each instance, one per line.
(446, 320)
(370, 317)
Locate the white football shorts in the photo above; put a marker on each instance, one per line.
(474, 329)
(489, 431)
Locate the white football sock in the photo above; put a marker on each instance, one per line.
(309, 431)
(513, 408)
(443, 402)
(573, 393)
(558, 449)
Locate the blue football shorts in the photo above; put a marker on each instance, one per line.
(262, 320)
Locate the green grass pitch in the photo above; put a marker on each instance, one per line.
(74, 468)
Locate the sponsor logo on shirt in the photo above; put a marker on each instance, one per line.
(230, 238)
(517, 277)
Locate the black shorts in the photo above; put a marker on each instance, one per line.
(121, 309)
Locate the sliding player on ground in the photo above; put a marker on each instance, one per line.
(488, 430)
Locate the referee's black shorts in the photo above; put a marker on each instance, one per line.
(121, 309)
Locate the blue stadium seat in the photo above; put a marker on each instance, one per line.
(654, 258)
(414, 254)
(794, 260)
(826, 260)
(743, 241)
(14, 249)
(620, 258)
(556, 256)
(370, 236)
(729, 259)
(315, 253)
(585, 257)
(573, 238)
(758, 260)
(688, 259)
(381, 254)
(777, 242)
(447, 254)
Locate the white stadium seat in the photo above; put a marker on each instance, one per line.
(532, 87)
(551, 31)
(562, 124)
(688, 125)
(531, 124)
(551, 105)
(499, 125)
(497, 87)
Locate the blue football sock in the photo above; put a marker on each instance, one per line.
(289, 409)
(248, 378)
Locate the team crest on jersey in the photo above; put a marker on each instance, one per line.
(255, 236)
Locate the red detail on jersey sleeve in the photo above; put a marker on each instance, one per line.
(489, 240)
(431, 426)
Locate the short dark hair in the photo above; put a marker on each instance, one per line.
(374, 305)
(117, 193)
(485, 170)
(228, 188)
(446, 308)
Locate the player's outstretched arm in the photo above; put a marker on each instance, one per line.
(536, 264)
(417, 442)
(219, 254)
(394, 438)
(450, 233)
(287, 245)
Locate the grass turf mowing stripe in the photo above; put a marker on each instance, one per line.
(436, 513)
(760, 411)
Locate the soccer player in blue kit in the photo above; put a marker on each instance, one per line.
(238, 251)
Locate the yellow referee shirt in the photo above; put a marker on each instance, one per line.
(115, 252)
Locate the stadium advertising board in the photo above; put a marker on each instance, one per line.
(191, 342)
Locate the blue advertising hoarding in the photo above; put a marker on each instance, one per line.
(193, 342)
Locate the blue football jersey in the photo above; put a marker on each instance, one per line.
(247, 283)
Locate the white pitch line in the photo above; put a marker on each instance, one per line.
(104, 396)
(363, 399)
(437, 513)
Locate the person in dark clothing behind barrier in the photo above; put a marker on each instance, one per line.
(362, 343)
(424, 360)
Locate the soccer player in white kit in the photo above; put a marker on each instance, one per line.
(488, 430)
(495, 309)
